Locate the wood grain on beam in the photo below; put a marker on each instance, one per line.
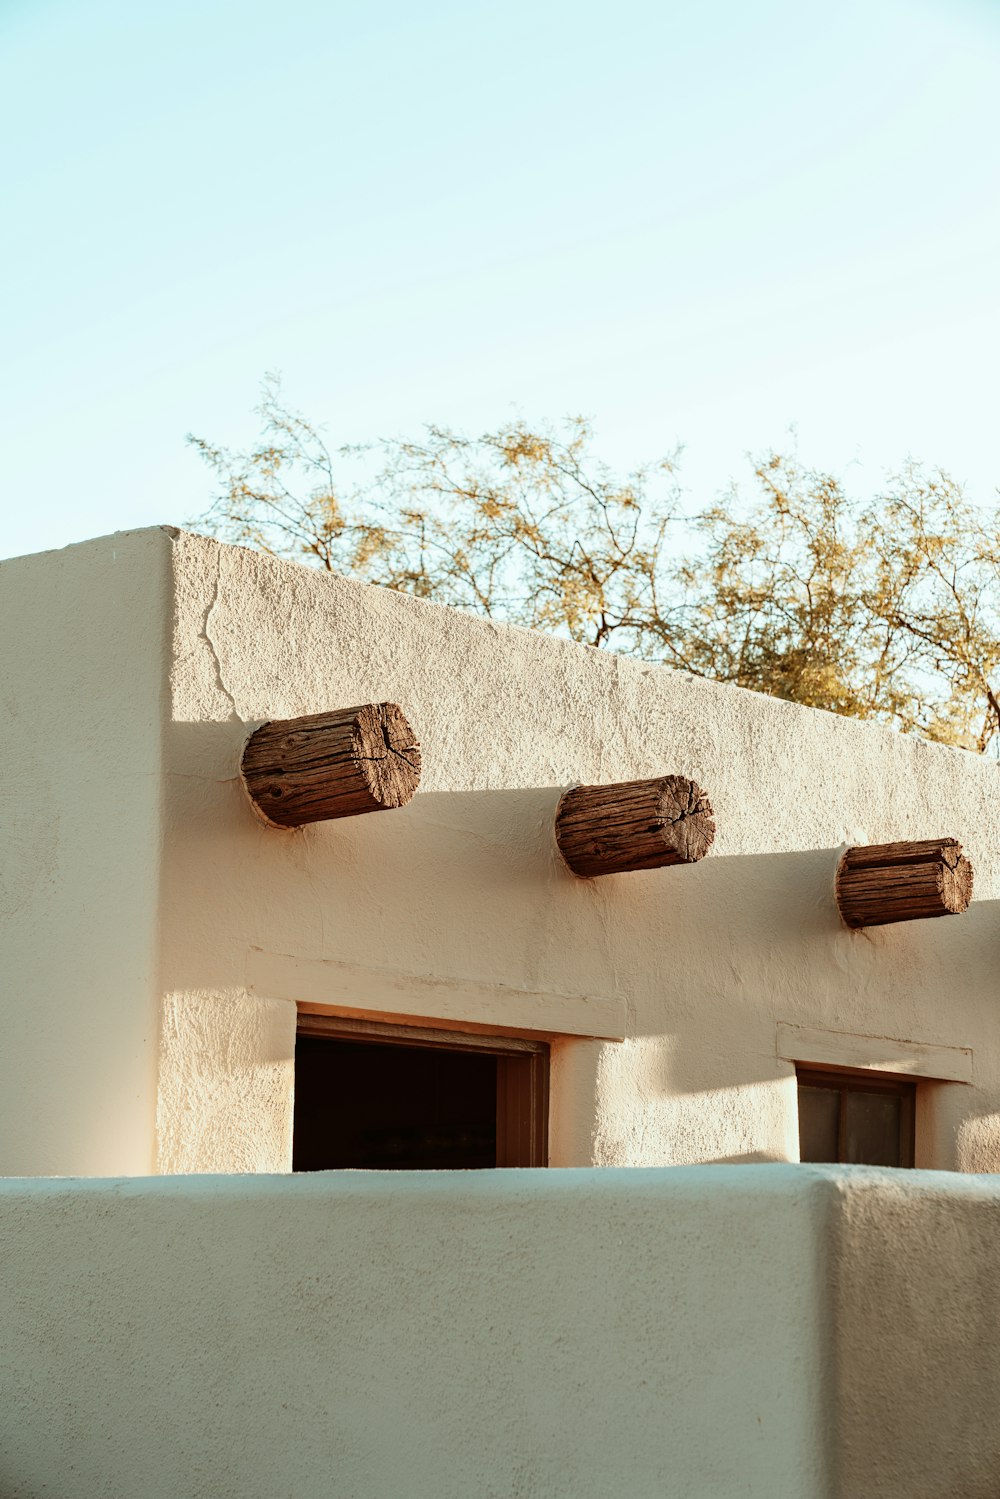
(880, 883)
(634, 825)
(326, 765)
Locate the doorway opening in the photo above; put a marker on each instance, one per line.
(404, 1098)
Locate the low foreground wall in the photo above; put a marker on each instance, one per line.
(764, 1331)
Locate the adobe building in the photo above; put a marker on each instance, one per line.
(194, 990)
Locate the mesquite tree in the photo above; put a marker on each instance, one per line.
(886, 608)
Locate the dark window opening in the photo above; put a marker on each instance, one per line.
(401, 1098)
(858, 1120)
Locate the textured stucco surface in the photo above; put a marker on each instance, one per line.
(436, 1336)
(457, 906)
(916, 1320)
(86, 636)
(154, 924)
(227, 1078)
(704, 1333)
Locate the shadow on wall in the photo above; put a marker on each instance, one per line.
(747, 1158)
(470, 885)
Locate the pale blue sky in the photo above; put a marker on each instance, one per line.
(695, 222)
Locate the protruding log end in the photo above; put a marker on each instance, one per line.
(886, 882)
(634, 825)
(326, 765)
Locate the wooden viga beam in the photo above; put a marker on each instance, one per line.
(325, 765)
(884, 882)
(634, 825)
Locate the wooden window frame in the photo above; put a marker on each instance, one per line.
(522, 1075)
(846, 1080)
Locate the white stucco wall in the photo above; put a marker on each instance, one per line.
(359, 1336)
(916, 1322)
(83, 702)
(458, 908)
(703, 1333)
(155, 926)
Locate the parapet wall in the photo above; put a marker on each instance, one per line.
(700, 1332)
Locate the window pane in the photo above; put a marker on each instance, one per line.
(819, 1110)
(873, 1121)
(386, 1107)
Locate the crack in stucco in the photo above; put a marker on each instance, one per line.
(219, 679)
(379, 759)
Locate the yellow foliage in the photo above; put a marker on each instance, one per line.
(887, 611)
